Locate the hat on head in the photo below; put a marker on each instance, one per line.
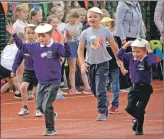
(96, 10)
(43, 28)
(106, 19)
(30, 25)
(139, 42)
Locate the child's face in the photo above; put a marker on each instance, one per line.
(23, 13)
(38, 17)
(82, 18)
(59, 13)
(54, 23)
(106, 24)
(138, 52)
(73, 20)
(93, 19)
(30, 35)
(44, 38)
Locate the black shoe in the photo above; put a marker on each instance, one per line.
(134, 124)
(18, 96)
(139, 130)
(139, 133)
(49, 132)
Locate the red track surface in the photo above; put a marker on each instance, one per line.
(77, 118)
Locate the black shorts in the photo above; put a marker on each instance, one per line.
(30, 77)
(4, 73)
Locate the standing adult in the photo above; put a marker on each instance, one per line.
(159, 18)
(129, 26)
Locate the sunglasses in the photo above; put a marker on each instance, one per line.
(36, 9)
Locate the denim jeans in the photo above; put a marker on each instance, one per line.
(115, 86)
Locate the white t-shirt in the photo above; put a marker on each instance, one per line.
(19, 25)
(62, 27)
(8, 56)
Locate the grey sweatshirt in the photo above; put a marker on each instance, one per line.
(129, 20)
(159, 18)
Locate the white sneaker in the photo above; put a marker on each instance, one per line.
(38, 113)
(61, 92)
(23, 112)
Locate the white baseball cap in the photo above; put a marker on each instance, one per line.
(96, 10)
(43, 28)
(139, 42)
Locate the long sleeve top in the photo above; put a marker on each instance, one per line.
(159, 18)
(139, 70)
(28, 61)
(46, 59)
(129, 20)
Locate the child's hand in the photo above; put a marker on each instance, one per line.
(123, 71)
(121, 65)
(148, 48)
(84, 68)
(12, 74)
(127, 44)
(124, 42)
(10, 29)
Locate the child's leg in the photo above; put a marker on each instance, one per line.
(92, 78)
(131, 107)
(62, 73)
(101, 79)
(143, 101)
(115, 86)
(72, 69)
(24, 87)
(7, 85)
(46, 96)
(84, 78)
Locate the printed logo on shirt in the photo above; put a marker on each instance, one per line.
(140, 67)
(95, 42)
(49, 54)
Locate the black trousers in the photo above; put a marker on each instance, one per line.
(125, 81)
(138, 98)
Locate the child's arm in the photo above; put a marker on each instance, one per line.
(151, 59)
(115, 49)
(122, 68)
(122, 55)
(81, 57)
(17, 61)
(21, 46)
(67, 49)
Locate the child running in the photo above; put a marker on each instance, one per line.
(44, 53)
(95, 40)
(140, 62)
(29, 79)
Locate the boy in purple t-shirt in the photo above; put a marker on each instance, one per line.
(140, 62)
(46, 56)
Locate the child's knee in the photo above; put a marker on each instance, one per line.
(23, 87)
(128, 108)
